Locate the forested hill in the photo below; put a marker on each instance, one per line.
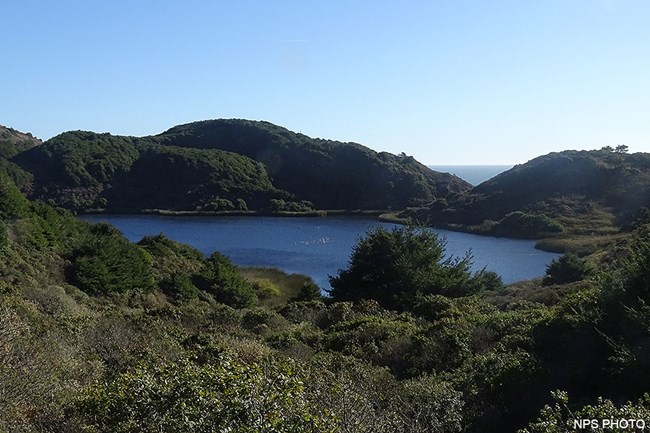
(12, 143)
(225, 165)
(570, 190)
(331, 174)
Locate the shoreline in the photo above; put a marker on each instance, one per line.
(387, 216)
(310, 214)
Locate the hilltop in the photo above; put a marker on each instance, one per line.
(571, 192)
(12, 143)
(225, 165)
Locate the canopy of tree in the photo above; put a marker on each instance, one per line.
(222, 165)
(397, 267)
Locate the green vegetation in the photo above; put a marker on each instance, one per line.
(329, 174)
(208, 395)
(396, 267)
(567, 269)
(559, 196)
(108, 263)
(275, 288)
(98, 334)
(525, 225)
(218, 166)
(12, 143)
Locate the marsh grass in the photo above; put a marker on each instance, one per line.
(274, 287)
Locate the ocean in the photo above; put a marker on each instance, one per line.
(473, 174)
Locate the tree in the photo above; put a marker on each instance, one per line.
(567, 269)
(308, 292)
(395, 267)
(12, 203)
(222, 278)
(626, 318)
(621, 148)
(109, 263)
(561, 417)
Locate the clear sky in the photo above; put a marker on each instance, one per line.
(447, 81)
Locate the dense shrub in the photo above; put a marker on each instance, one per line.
(309, 292)
(12, 202)
(394, 267)
(111, 264)
(224, 395)
(526, 225)
(221, 278)
(562, 416)
(179, 285)
(567, 269)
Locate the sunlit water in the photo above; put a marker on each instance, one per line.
(317, 247)
(474, 174)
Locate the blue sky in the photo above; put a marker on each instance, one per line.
(447, 81)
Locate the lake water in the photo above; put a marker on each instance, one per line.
(317, 247)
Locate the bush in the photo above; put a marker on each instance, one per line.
(221, 278)
(265, 288)
(224, 395)
(111, 264)
(560, 417)
(12, 202)
(308, 292)
(395, 267)
(179, 285)
(567, 269)
(525, 225)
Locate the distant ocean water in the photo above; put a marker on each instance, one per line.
(473, 174)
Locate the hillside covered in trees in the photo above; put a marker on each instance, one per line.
(98, 334)
(12, 143)
(220, 165)
(583, 193)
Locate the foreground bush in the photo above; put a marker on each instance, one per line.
(223, 395)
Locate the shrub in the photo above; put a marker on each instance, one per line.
(525, 225)
(394, 267)
(221, 278)
(224, 395)
(308, 292)
(265, 288)
(111, 264)
(12, 202)
(179, 285)
(567, 269)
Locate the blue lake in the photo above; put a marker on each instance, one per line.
(317, 247)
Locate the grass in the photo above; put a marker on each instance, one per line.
(393, 217)
(595, 222)
(581, 245)
(532, 291)
(275, 287)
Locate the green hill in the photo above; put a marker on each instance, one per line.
(224, 165)
(331, 174)
(580, 192)
(12, 143)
